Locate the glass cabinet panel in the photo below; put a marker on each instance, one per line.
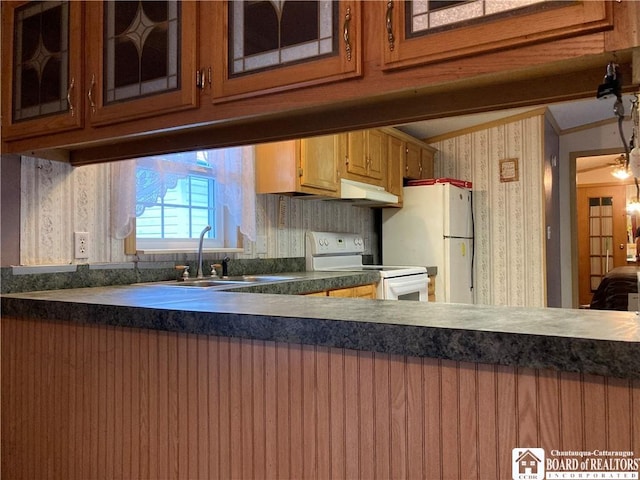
(41, 60)
(268, 34)
(141, 48)
(427, 16)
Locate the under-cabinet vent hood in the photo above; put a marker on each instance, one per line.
(350, 190)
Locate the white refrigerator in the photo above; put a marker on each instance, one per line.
(434, 227)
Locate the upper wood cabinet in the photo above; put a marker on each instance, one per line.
(413, 34)
(366, 159)
(263, 46)
(141, 59)
(305, 166)
(42, 68)
(408, 159)
(396, 148)
(71, 65)
(418, 161)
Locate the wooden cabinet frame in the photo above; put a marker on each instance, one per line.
(184, 97)
(59, 122)
(338, 67)
(577, 18)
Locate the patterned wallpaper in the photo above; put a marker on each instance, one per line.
(509, 216)
(58, 199)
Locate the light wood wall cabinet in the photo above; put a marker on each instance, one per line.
(408, 159)
(305, 166)
(366, 159)
(261, 47)
(418, 161)
(73, 65)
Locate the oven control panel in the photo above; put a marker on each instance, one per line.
(332, 243)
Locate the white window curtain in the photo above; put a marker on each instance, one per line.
(233, 170)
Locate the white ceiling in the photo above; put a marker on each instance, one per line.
(567, 115)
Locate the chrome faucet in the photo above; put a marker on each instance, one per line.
(199, 273)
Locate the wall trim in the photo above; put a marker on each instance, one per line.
(488, 125)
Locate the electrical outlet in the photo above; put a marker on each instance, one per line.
(81, 242)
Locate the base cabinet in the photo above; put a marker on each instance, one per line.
(361, 291)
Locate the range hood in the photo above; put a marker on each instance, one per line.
(365, 193)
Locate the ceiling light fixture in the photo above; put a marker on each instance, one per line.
(620, 173)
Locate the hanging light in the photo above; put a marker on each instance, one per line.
(620, 170)
(620, 173)
(633, 206)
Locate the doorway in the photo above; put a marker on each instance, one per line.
(602, 224)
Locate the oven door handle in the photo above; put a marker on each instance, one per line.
(399, 286)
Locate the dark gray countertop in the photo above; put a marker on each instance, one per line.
(595, 342)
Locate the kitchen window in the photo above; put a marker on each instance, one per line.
(170, 199)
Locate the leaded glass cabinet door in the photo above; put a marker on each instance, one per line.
(270, 46)
(426, 31)
(41, 74)
(142, 59)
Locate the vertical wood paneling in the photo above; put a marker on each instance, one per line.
(415, 418)
(487, 435)
(269, 411)
(323, 413)
(337, 408)
(468, 420)
(450, 418)
(352, 420)
(224, 417)
(618, 415)
(246, 453)
(432, 422)
(507, 417)
(527, 421)
(381, 415)
(572, 411)
(258, 430)
(366, 414)
(309, 413)
(398, 409)
(82, 401)
(594, 401)
(235, 408)
(296, 411)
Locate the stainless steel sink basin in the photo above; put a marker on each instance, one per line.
(228, 281)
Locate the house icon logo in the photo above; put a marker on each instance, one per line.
(527, 463)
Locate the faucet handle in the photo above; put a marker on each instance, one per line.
(185, 273)
(214, 269)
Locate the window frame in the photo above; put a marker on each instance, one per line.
(183, 244)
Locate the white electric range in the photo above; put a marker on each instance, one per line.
(331, 251)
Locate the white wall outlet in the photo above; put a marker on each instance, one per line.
(81, 242)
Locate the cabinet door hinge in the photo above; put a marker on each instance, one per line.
(300, 172)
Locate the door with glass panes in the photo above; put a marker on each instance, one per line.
(602, 235)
